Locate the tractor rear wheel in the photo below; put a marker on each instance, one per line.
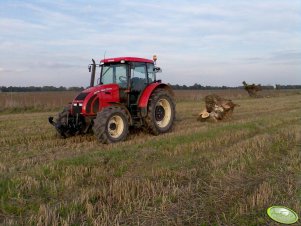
(161, 112)
(111, 125)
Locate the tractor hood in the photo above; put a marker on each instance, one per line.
(107, 89)
(94, 99)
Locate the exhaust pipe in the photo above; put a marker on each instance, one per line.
(92, 72)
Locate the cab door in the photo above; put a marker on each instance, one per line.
(120, 77)
(138, 82)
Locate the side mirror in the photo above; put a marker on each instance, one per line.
(157, 70)
(90, 67)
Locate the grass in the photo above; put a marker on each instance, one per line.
(227, 173)
(28, 102)
(34, 101)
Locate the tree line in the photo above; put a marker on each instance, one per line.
(38, 88)
(196, 86)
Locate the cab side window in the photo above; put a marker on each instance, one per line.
(120, 76)
(138, 76)
(150, 73)
(107, 75)
(114, 73)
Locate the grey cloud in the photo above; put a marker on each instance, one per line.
(287, 55)
(253, 59)
(14, 70)
(15, 26)
(283, 57)
(55, 65)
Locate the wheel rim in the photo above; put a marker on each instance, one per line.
(115, 126)
(159, 113)
(162, 113)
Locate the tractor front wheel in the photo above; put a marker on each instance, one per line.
(111, 125)
(161, 112)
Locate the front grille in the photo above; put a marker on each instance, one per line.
(77, 109)
(81, 96)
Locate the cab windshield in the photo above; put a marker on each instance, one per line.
(114, 73)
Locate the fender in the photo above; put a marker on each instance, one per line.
(143, 100)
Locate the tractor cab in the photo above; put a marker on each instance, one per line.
(131, 74)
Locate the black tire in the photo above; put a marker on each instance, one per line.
(156, 113)
(111, 125)
(68, 125)
(62, 124)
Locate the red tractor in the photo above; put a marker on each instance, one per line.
(127, 94)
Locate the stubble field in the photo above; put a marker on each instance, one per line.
(227, 173)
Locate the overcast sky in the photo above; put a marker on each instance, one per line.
(217, 42)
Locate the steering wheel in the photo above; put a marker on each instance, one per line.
(122, 79)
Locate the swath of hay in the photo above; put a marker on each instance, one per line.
(217, 108)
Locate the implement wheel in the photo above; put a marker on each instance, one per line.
(62, 124)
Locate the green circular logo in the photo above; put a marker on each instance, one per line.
(282, 214)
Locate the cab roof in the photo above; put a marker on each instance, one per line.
(131, 59)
